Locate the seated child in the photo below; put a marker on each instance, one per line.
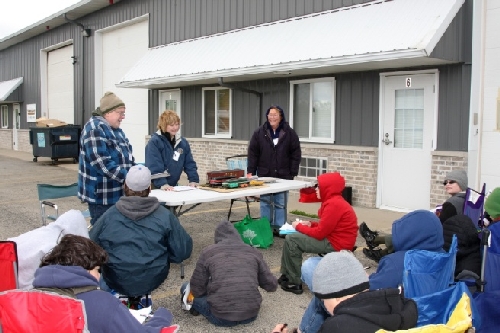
(227, 293)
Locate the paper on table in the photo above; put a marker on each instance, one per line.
(141, 314)
(183, 188)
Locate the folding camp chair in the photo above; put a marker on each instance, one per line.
(239, 162)
(42, 312)
(474, 206)
(427, 272)
(487, 299)
(8, 266)
(49, 192)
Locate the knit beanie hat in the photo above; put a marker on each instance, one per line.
(460, 176)
(138, 178)
(109, 102)
(339, 274)
(492, 204)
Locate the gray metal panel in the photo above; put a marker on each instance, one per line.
(453, 113)
(456, 43)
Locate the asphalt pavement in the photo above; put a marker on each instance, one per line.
(20, 212)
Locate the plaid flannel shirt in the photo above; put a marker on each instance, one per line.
(105, 158)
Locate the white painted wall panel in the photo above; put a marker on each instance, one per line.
(60, 83)
(490, 159)
(121, 49)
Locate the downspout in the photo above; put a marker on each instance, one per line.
(250, 91)
(85, 33)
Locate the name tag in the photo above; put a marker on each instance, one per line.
(176, 155)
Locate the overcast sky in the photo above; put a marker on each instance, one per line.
(18, 14)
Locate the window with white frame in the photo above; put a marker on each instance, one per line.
(217, 112)
(5, 117)
(312, 114)
(312, 167)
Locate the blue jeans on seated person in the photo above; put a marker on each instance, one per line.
(201, 305)
(96, 211)
(314, 316)
(307, 271)
(279, 200)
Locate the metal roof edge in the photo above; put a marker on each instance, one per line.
(317, 63)
(19, 81)
(39, 27)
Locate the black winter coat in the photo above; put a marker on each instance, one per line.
(468, 254)
(267, 160)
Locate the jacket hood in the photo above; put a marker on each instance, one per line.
(57, 276)
(385, 309)
(226, 231)
(420, 230)
(136, 208)
(282, 113)
(330, 184)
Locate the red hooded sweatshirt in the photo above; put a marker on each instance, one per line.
(338, 222)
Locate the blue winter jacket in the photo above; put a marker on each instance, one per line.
(105, 313)
(141, 238)
(160, 158)
(418, 230)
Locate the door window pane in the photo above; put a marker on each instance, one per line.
(171, 104)
(409, 118)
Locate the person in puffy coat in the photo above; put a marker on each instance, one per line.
(274, 151)
(141, 238)
(168, 152)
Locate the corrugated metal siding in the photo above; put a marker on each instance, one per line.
(453, 115)
(178, 20)
(456, 42)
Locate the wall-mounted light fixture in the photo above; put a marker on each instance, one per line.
(85, 32)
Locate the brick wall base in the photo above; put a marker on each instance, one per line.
(442, 163)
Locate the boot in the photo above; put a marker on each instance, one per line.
(368, 235)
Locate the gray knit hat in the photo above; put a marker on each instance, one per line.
(460, 176)
(339, 274)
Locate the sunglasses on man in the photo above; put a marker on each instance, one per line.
(446, 182)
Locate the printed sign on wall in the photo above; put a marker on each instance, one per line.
(31, 113)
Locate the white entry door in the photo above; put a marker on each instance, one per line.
(407, 137)
(16, 116)
(170, 100)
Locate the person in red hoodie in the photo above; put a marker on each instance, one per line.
(336, 230)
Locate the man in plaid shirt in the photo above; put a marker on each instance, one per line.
(105, 157)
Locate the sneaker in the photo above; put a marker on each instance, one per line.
(283, 278)
(368, 235)
(374, 254)
(293, 288)
(185, 295)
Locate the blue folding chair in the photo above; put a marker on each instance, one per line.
(51, 192)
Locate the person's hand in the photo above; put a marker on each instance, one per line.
(280, 328)
(308, 223)
(249, 175)
(295, 224)
(167, 187)
(193, 184)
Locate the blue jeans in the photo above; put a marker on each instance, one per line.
(314, 316)
(307, 271)
(279, 200)
(96, 211)
(201, 305)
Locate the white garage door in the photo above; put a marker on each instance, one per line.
(121, 49)
(60, 84)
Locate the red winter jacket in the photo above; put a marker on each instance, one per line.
(338, 222)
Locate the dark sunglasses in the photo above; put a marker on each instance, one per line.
(448, 182)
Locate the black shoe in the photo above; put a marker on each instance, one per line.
(282, 279)
(194, 312)
(293, 288)
(368, 235)
(373, 254)
(276, 233)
